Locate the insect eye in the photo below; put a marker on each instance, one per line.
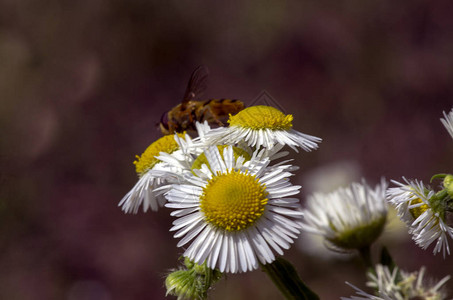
(164, 120)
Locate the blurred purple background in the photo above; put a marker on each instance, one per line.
(84, 83)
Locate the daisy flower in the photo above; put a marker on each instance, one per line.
(423, 213)
(348, 218)
(235, 213)
(447, 121)
(154, 173)
(399, 285)
(262, 126)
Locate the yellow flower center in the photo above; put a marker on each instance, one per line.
(233, 201)
(201, 159)
(262, 117)
(148, 159)
(418, 211)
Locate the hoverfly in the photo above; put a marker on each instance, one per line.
(183, 116)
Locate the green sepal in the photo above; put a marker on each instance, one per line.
(438, 176)
(191, 282)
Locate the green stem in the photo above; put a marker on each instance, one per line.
(285, 277)
(365, 254)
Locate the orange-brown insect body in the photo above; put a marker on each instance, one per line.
(183, 116)
(214, 111)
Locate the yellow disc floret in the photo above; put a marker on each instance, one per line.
(233, 201)
(262, 117)
(419, 210)
(201, 159)
(148, 159)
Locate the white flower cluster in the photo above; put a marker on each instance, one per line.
(234, 206)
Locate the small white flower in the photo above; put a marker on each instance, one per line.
(417, 207)
(348, 218)
(447, 121)
(154, 172)
(399, 285)
(262, 126)
(235, 213)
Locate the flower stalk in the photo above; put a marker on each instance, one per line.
(285, 277)
(365, 254)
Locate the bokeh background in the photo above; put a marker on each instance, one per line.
(84, 83)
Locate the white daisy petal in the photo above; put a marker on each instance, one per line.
(287, 212)
(215, 253)
(233, 259)
(215, 161)
(223, 254)
(280, 236)
(189, 222)
(447, 121)
(263, 247)
(205, 246)
(191, 234)
(272, 240)
(186, 204)
(143, 194)
(183, 212)
(285, 222)
(243, 259)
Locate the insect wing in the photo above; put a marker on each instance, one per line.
(197, 84)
